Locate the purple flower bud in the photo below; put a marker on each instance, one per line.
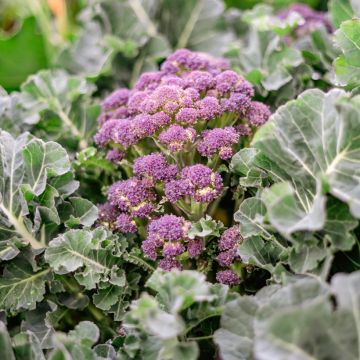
(227, 257)
(115, 155)
(160, 119)
(313, 19)
(133, 196)
(175, 138)
(258, 113)
(172, 249)
(207, 185)
(104, 135)
(244, 88)
(168, 264)
(209, 108)
(136, 100)
(107, 213)
(177, 189)
(116, 99)
(187, 116)
(226, 81)
(218, 141)
(243, 129)
(199, 80)
(154, 166)
(121, 113)
(125, 223)
(195, 248)
(148, 81)
(173, 80)
(184, 60)
(236, 103)
(169, 228)
(227, 277)
(149, 248)
(230, 239)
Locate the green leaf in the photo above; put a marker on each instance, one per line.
(244, 320)
(86, 332)
(250, 215)
(35, 179)
(259, 252)
(205, 227)
(347, 65)
(342, 10)
(20, 286)
(42, 160)
(81, 249)
(27, 43)
(5, 343)
(105, 298)
(27, 347)
(85, 213)
(286, 212)
(179, 290)
(310, 141)
(58, 92)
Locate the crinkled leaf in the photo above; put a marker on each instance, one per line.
(20, 286)
(177, 290)
(259, 252)
(347, 65)
(42, 160)
(310, 141)
(85, 213)
(205, 227)
(77, 249)
(250, 215)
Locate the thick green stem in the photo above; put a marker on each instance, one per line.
(20, 228)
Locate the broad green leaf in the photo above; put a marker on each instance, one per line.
(347, 65)
(286, 212)
(27, 347)
(179, 290)
(81, 249)
(42, 160)
(86, 332)
(262, 326)
(77, 344)
(27, 43)
(35, 323)
(250, 216)
(20, 286)
(8, 250)
(236, 334)
(262, 253)
(147, 312)
(85, 213)
(5, 343)
(35, 178)
(58, 92)
(128, 37)
(342, 10)
(244, 320)
(108, 296)
(311, 141)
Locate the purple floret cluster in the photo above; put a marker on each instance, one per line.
(168, 238)
(170, 133)
(228, 247)
(312, 19)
